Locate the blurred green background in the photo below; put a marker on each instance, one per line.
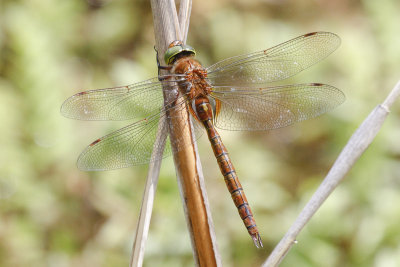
(55, 215)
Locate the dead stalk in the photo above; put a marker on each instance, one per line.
(354, 148)
(168, 28)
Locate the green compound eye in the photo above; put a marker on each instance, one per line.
(173, 51)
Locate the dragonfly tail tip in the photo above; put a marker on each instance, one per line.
(257, 240)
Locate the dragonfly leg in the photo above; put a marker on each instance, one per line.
(163, 77)
(159, 66)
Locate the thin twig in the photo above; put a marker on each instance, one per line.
(354, 148)
(142, 229)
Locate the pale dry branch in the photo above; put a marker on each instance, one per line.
(184, 17)
(142, 228)
(169, 31)
(354, 148)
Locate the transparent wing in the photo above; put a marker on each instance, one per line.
(133, 144)
(274, 64)
(273, 107)
(118, 103)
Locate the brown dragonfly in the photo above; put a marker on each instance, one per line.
(233, 94)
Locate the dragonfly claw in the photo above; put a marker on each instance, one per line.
(257, 240)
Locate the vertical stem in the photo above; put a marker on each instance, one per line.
(189, 173)
(185, 8)
(146, 208)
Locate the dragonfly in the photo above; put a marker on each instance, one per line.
(238, 93)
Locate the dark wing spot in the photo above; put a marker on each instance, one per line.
(95, 142)
(317, 84)
(310, 34)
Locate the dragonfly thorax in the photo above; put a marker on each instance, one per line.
(194, 83)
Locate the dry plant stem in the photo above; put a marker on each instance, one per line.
(185, 8)
(188, 169)
(192, 186)
(354, 148)
(190, 178)
(142, 228)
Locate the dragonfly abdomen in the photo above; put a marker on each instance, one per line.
(204, 114)
(233, 184)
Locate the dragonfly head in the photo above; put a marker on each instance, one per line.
(176, 50)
